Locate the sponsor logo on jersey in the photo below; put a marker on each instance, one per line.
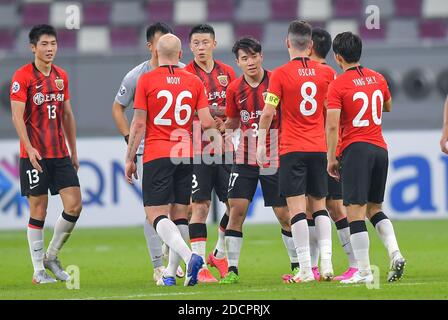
(38, 98)
(223, 80)
(59, 83)
(15, 87)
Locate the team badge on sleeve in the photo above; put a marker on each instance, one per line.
(15, 87)
(223, 80)
(59, 83)
(122, 91)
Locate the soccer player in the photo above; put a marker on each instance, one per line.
(43, 117)
(321, 47)
(216, 76)
(298, 90)
(123, 99)
(356, 100)
(165, 102)
(444, 139)
(244, 105)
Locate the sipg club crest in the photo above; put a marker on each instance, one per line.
(245, 116)
(223, 80)
(59, 83)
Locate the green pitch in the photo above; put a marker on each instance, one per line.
(114, 264)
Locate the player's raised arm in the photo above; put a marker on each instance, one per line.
(69, 126)
(17, 109)
(332, 130)
(444, 139)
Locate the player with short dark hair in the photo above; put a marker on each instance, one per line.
(42, 115)
(298, 89)
(165, 101)
(124, 99)
(209, 175)
(356, 100)
(244, 105)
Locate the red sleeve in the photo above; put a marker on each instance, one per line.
(19, 87)
(386, 92)
(202, 101)
(334, 98)
(275, 81)
(231, 108)
(140, 99)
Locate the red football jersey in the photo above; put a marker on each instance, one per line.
(360, 94)
(171, 96)
(299, 89)
(44, 98)
(246, 103)
(216, 83)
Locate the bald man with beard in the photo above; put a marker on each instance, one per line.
(165, 101)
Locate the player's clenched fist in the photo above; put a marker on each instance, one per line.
(261, 155)
(131, 169)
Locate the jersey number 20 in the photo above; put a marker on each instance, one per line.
(161, 121)
(357, 121)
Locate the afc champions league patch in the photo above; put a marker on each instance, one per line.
(15, 87)
(59, 83)
(223, 80)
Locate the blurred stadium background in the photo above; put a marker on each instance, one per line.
(410, 48)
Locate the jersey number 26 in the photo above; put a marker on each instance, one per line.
(161, 121)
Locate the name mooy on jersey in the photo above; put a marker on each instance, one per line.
(40, 98)
(173, 80)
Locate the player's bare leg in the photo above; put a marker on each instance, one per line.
(170, 234)
(72, 203)
(386, 233)
(218, 258)
(198, 236)
(35, 233)
(300, 235)
(323, 233)
(234, 237)
(359, 238)
(339, 215)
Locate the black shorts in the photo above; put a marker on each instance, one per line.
(58, 173)
(207, 177)
(303, 173)
(243, 184)
(364, 173)
(165, 182)
(334, 189)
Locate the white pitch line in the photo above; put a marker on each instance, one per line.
(165, 294)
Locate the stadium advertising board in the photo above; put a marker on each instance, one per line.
(417, 183)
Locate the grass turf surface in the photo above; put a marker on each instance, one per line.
(114, 264)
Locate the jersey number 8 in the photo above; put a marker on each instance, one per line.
(159, 120)
(308, 98)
